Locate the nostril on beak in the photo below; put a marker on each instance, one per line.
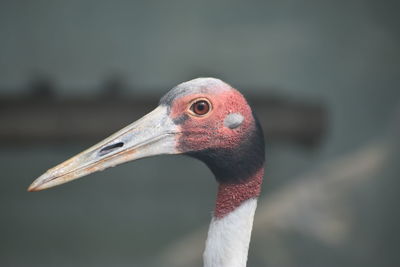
(110, 148)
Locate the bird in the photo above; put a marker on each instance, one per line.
(209, 120)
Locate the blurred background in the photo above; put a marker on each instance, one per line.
(323, 76)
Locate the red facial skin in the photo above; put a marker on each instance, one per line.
(209, 131)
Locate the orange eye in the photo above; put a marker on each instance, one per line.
(201, 107)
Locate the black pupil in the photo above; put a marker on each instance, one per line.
(201, 106)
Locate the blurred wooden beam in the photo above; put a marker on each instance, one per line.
(37, 120)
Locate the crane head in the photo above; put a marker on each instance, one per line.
(204, 118)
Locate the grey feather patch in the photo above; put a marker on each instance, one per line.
(233, 120)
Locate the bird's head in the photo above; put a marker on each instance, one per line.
(204, 118)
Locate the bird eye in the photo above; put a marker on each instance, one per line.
(201, 107)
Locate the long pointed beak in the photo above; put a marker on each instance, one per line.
(154, 134)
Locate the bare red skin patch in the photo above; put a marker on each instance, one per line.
(209, 131)
(231, 196)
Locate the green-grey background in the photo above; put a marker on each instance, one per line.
(336, 205)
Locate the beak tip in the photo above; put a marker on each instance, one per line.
(33, 188)
(37, 185)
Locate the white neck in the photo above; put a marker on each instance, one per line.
(228, 238)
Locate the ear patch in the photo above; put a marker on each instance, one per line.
(233, 120)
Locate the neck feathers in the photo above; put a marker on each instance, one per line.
(229, 234)
(228, 238)
(232, 195)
